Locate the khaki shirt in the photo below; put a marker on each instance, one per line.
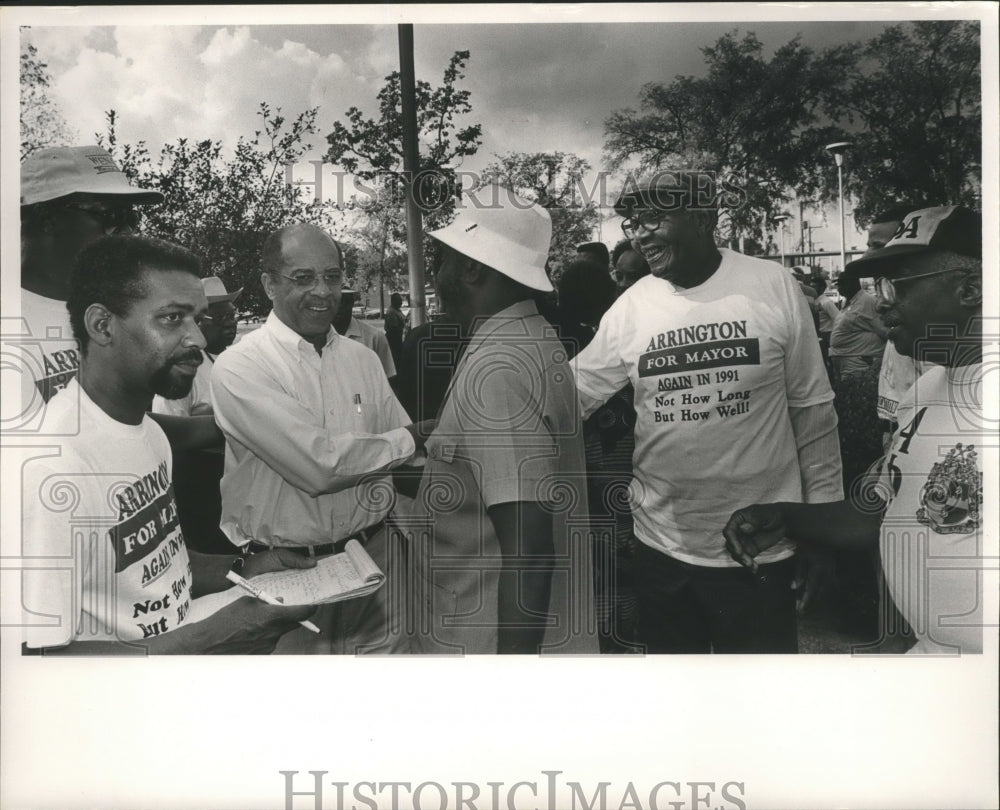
(509, 431)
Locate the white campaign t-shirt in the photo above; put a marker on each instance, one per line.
(101, 527)
(715, 369)
(40, 348)
(932, 531)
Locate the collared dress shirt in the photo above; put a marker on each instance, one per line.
(304, 433)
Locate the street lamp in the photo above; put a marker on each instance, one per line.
(837, 150)
(781, 219)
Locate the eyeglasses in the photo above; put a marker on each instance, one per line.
(307, 281)
(885, 288)
(649, 219)
(114, 219)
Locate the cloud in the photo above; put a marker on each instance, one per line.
(167, 82)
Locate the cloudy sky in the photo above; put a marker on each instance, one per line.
(535, 87)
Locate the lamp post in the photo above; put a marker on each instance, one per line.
(781, 219)
(837, 150)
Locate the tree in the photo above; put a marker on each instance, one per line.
(42, 122)
(379, 259)
(372, 149)
(756, 121)
(555, 181)
(224, 208)
(914, 95)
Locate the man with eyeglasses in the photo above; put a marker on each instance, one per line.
(70, 196)
(731, 398)
(926, 508)
(310, 421)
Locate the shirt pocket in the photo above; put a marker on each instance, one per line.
(441, 450)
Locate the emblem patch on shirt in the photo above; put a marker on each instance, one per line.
(953, 493)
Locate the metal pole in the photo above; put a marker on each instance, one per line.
(840, 187)
(411, 166)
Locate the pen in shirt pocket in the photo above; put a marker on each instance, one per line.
(357, 402)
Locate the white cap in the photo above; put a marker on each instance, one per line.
(498, 228)
(59, 171)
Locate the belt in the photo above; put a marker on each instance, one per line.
(325, 549)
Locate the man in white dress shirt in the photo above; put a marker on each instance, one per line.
(310, 421)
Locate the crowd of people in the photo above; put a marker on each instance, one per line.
(662, 453)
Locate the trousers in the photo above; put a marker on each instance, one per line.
(686, 608)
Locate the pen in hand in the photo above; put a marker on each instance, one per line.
(264, 596)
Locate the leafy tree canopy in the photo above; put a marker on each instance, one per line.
(223, 208)
(42, 122)
(371, 148)
(912, 107)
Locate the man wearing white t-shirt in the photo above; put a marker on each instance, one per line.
(112, 571)
(898, 372)
(70, 196)
(731, 398)
(926, 511)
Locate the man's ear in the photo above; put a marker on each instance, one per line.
(970, 290)
(706, 221)
(268, 283)
(100, 324)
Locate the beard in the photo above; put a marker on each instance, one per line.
(170, 385)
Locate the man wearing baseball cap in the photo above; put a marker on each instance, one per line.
(731, 398)
(70, 196)
(499, 543)
(925, 510)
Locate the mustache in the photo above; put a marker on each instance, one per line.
(193, 356)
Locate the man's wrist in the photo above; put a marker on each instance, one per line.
(238, 565)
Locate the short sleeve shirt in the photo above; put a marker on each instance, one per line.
(715, 369)
(509, 431)
(932, 531)
(101, 525)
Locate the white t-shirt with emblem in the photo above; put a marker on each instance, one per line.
(715, 369)
(896, 377)
(109, 562)
(932, 532)
(39, 347)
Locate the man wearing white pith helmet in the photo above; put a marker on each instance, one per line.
(499, 544)
(731, 397)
